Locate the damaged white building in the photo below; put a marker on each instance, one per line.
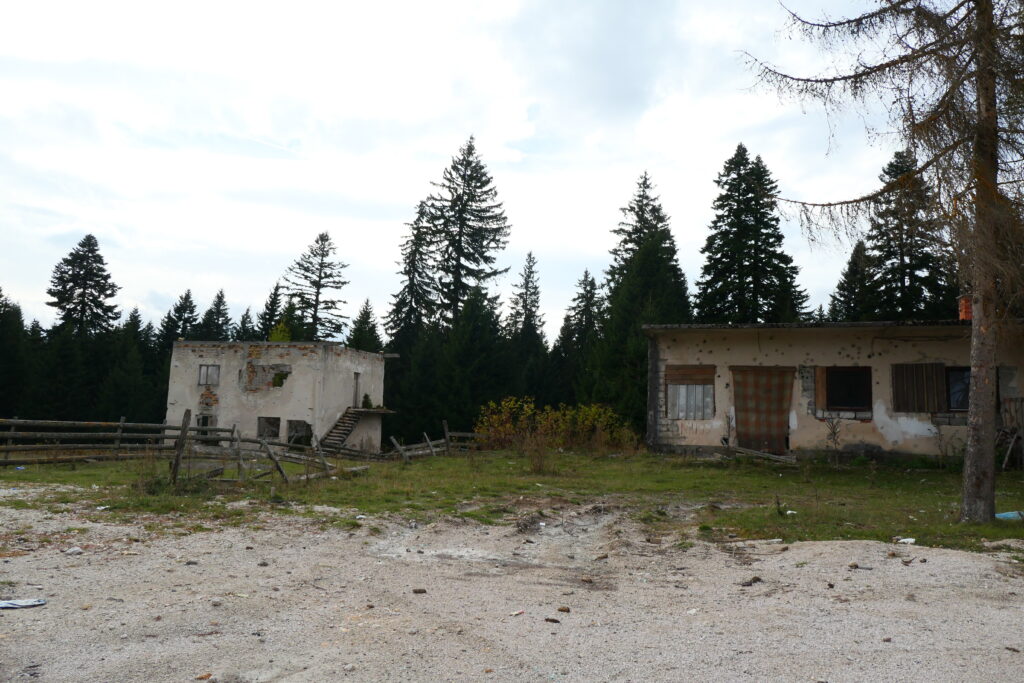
(856, 387)
(299, 392)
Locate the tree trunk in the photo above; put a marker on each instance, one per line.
(979, 490)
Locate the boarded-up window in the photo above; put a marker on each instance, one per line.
(690, 392)
(209, 374)
(919, 388)
(268, 427)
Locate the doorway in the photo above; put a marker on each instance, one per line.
(762, 396)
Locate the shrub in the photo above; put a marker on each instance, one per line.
(517, 423)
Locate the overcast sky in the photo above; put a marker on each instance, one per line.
(206, 144)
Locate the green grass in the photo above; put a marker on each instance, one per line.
(739, 498)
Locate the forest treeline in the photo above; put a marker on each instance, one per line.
(458, 346)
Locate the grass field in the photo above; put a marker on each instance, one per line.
(746, 499)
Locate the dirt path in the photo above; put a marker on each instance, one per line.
(293, 601)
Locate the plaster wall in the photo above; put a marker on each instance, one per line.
(805, 348)
(310, 381)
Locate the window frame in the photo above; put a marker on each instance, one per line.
(680, 384)
(205, 372)
(831, 380)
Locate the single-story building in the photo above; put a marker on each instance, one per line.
(879, 386)
(280, 391)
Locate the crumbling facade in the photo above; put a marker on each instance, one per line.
(855, 387)
(281, 391)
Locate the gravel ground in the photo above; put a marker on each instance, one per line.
(585, 597)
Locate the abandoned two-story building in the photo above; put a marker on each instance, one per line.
(900, 387)
(281, 391)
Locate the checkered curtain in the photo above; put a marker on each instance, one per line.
(762, 402)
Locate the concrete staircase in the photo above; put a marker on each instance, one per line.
(336, 436)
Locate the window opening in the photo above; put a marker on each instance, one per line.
(209, 374)
(300, 433)
(848, 388)
(268, 427)
(958, 388)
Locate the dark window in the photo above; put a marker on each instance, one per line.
(209, 374)
(268, 427)
(300, 432)
(848, 389)
(958, 387)
(205, 421)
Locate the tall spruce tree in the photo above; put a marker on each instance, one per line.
(364, 335)
(642, 218)
(572, 355)
(468, 225)
(747, 278)
(911, 276)
(268, 317)
(179, 321)
(215, 325)
(82, 289)
(246, 329)
(648, 287)
(525, 330)
(416, 301)
(310, 282)
(852, 300)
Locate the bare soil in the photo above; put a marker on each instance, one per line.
(582, 593)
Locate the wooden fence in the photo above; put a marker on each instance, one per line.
(211, 451)
(29, 442)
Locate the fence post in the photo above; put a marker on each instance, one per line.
(10, 441)
(429, 445)
(398, 447)
(236, 441)
(179, 445)
(447, 439)
(117, 439)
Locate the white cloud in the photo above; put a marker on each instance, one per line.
(206, 144)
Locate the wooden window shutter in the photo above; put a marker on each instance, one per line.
(820, 385)
(919, 388)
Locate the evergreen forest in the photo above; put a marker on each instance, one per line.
(456, 345)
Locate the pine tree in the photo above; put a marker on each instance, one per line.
(364, 335)
(747, 278)
(271, 312)
(572, 356)
(246, 330)
(476, 358)
(215, 325)
(13, 357)
(468, 226)
(525, 331)
(642, 217)
(852, 300)
(910, 276)
(125, 390)
(647, 287)
(310, 281)
(416, 302)
(179, 321)
(81, 289)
